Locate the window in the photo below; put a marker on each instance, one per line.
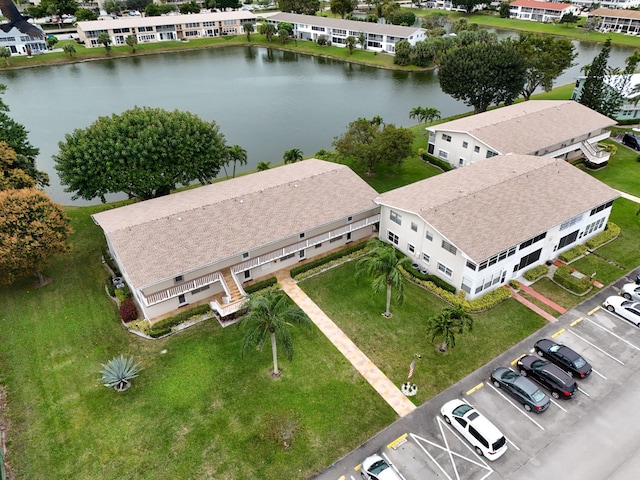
(191, 33)
(465, 144)
(395, 217)
(318, 245)
(182, 300)
(245, 255)
(247, 274)
(426, 257)
(568, 239)
(476, 149)
(446, 138)
(348, 236)
(491, 154)
(411, 248)
(349, 219)
(302, 235)
(443, 154)
(529, 259)
(601, 207)
(471, 265)
(393, 238)
(198, 290)
(335, 239)
(287, 257)
(571, 222)
(178, 279)
(444, 269)
(429, 236)
(448, 247)
(461, 162)
(301, 253)
(414, 227)
(533, 240)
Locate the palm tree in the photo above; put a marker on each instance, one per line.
(248, 29)
(362, 40)
(5, 53)
(105, 40)
(447, 324)
(69, 48)
(270, 318)
(417, 113)
(351, 43)
(292, 156)
(132, 41)
(236, 154)
(430, 114)
(262, 166)
(383, 263)
(268, 30)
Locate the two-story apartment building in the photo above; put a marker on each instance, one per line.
(615, 20)
(164, 28)
(378, 37)
(200, 246)
(479, 227)
(541, 11)
(627, 87)
(555, 128)
(20, 44)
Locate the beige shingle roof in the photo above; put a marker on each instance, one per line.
(615, 13)
(353, 25)
(167, 236)
(492, 205)
(131, 22)
(531, 126)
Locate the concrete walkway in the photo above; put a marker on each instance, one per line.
(628, 196)
(372, 374)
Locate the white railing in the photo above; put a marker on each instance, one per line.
(224, 310)
(181, 288)
(594, 154)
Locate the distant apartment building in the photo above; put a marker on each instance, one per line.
(20, 44)
(617, 21)
(378, 37)
(164, 28)
(541, 11)
(630, 91)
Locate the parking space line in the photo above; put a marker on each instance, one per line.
(594, 310)
(393, 465)
(559, 332)
(516, 360)
(609, 331)
(583, 392)
(512, 444)
(597, 348)
(575, 322)
(598, 373)
(557, 405)
(515, 406)
(398, 441)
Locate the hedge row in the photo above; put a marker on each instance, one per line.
(610, 232)
(164, 326)
(563, 277)
(261, 285)
(573, 253)
(109, 261)
(323, 261)
(536, 272)
(445, 166)
(485, 302)
(433, 279)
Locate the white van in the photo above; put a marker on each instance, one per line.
(487, 440)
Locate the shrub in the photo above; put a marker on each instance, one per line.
(109, 261)
(261, 285)
(110, 288)
(444, 166)
(163, 326)
(322, 40)
(323, 261)
(563, 277)
(536, 272)
(123, 293)
(610, 232)
(573, 253)
(433, 279)
(514, 284)
(128, 311)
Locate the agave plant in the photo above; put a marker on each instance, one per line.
(118, 372)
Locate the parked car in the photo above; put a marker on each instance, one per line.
(631, 140)
(550, 376)
(483, 435)
(520, 388)
(638, 279)
(631, 291)
(627, 309)
(564, 357)
(376, 468)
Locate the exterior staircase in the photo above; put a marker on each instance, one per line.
(594, 155)
(234, 292)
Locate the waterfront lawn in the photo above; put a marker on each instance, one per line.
(623, 170)
(196, 411)
(391, 342)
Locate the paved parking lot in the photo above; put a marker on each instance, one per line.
(591, 436)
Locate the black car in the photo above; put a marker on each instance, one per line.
(520, 388)
(550, 376)
(563, 357)
(631, 140)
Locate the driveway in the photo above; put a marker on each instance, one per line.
(592, 436)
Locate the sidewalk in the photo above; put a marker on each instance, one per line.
(542, 298)
(548, 317)
(371, 373)
(628, 196)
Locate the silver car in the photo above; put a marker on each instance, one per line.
(627, 309)
(376, 468)
(631, 291)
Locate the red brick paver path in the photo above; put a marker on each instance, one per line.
(542, 298)
(533, 307)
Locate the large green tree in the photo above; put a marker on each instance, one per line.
(447, 324)
(270, 318)
(268, 30)
(32, 230)
(12, 177)
(546, 58)
(383, 265)
(371, 142)
(468, 5)
(305, 7)
(343, 7)
(482, 74)
(143, 152)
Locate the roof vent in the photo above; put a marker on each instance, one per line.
(461, 190)
(179, 219)
(241, 201)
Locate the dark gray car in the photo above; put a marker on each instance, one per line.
(520, 388)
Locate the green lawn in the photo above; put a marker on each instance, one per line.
(198, 411)
(391, 343)
(623, 170)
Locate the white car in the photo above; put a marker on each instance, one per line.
(627, 309)
(483, 435)
(631, 291)
(376, 468)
